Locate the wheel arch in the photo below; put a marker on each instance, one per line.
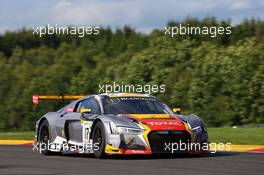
(105, 121)
(51, 122)
(39, 124)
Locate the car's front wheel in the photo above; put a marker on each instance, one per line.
(99, 140)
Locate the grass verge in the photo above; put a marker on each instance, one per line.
(16, 135)
(252, 136)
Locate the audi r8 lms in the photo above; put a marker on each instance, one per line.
(118, 123)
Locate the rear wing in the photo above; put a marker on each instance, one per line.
(36, 99)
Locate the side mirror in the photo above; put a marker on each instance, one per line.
(87, 114)
(86, 111)
(176, 110)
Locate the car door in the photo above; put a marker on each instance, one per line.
(74, 126)
(69, 119)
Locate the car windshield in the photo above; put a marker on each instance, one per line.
(134, 105)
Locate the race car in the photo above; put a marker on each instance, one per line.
(117, 123)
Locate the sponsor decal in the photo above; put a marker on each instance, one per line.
(164, 123)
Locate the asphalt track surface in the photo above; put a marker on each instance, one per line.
(22, 160)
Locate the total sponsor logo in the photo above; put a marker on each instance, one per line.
(164, 123)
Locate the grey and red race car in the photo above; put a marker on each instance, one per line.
(118, 123)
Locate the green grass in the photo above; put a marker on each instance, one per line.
(233, 135)
(253, 136)
(16, 135)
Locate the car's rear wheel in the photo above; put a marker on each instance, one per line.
(99, 140)
(43, 138)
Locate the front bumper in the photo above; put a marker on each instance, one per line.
(164, 141)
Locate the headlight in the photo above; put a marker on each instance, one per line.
(125, 130)
(197, 129)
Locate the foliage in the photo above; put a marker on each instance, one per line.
(220, 79)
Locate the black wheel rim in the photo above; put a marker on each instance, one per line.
(98, 139)
(44, 136)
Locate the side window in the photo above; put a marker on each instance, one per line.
(90, 103)
(95, 106)
(67, 108)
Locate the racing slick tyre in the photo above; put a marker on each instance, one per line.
(99, 140)
(43, 138)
